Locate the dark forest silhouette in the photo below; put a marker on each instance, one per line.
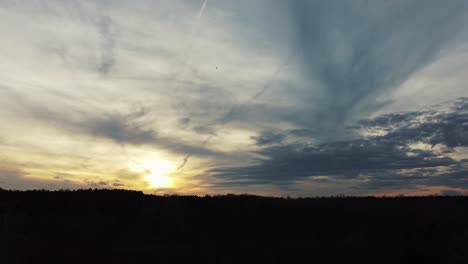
(117, 226)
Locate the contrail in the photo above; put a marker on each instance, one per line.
(186, 59)
(258, 94)
(188, 51)
(186, 158)
(226, 117)
(202, 9)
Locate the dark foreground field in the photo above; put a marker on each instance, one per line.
(129, 227)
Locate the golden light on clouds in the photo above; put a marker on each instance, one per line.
(156, 171)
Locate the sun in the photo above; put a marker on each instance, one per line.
(156, 171)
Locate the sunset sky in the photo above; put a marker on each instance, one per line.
(269, 97)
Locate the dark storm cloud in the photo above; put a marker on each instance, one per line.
(384, 161)
(355, 51)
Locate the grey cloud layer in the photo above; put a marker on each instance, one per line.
(385, 160)
(430, 127)
(356, 51)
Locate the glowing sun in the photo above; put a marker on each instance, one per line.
(156, 171)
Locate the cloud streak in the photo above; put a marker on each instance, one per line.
(356, 52)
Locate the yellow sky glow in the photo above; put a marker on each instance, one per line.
(156, 170)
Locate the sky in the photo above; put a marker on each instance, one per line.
(269, 97)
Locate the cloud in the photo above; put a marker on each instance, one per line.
(348, 58)
(452, 193)
(108, 44)
(449, 129)
(134, 129)
(118, 127)
(345, 159)
(373, 162)
(455, 176)
(134, 126)
(122, 129)
(117, 184)
(14, 178)
(269, 138)
(357, 51)
(7, 173)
